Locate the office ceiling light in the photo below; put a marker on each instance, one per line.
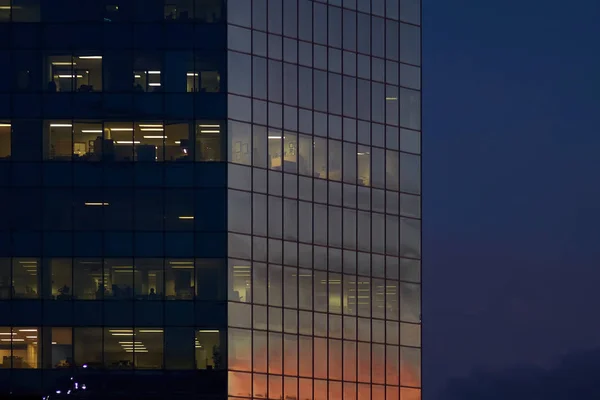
(127, 142)
(63, 63)
(151, 125)
(70, 76)
(130, 342)
(91, 131)
(92, 204)
(61, 125)
(181, 262)
(154, 84)
(209, 126)
(121, 129)
(275, 137)
(151, 330)
(90, 57)
(152, 129)
(155, 137)
(5, 125)
(209, 131)
(28, 262)
(186, 217)
(136, 351)
(122, 334)
(208, 331)
(153, 72)
(121, 330)
(31, 337)
(28, 330)
(12, 340)
(7, 333)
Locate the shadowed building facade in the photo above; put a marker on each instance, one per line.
(204, 199)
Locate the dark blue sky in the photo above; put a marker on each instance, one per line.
(511, 183)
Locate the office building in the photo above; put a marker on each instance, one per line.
(209, 198)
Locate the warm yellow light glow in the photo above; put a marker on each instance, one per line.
(127, 142)
(122, 334)
(70, 76)
(208, 331)
(61, 125)
(28, 330)
(209, 126)
(121, 330)
(90, 57)
(151, 330)
(5, 125)
(12, 340)
(192, 74)
(63, 63)
(151, 126)
(186, 217)
(391, 98)
(136, 351)
(121, 129)
(153, 72)
(91, 131)
(152, 129)
(155, 137)
(154, 84)
(92, 204)
(31, 337)
(209, 131)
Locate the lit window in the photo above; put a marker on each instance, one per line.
(82, 73)
(5, 139)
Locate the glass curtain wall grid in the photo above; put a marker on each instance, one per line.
(324, 216)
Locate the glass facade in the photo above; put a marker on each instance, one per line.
(210, 198)
(324, 199)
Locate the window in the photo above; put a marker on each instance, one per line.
(25, 278)
(143, 141)
(208, 141)
(88, 347)
(5, 10)
(240, 273)
(62, 347)
(5, 140)
(62, 274)
(207, 349)
(20, 10)
(118, 278)
(149, 279)
(80, 73)
(179, 279)
(20, 348)
(87, 279)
